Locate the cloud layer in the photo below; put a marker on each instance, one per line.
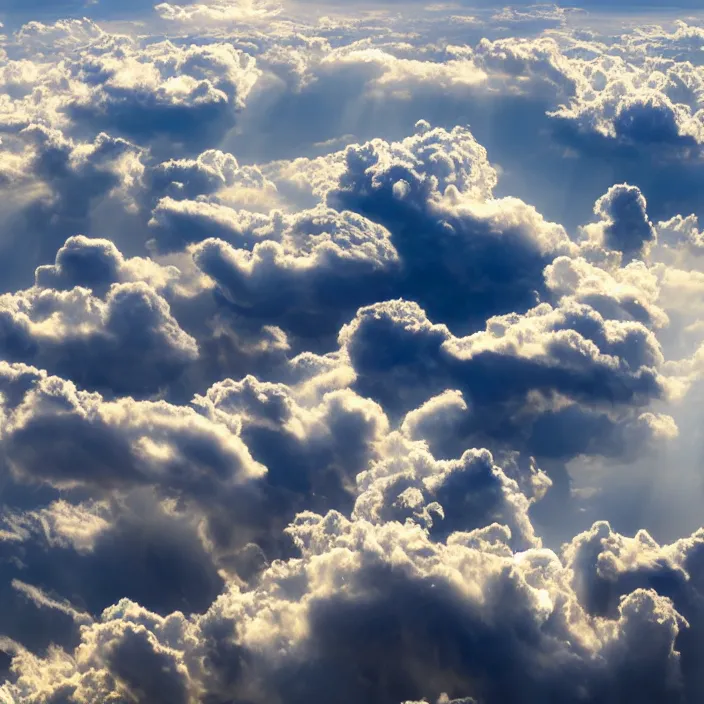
(350, 354)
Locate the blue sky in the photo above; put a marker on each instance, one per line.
(351, 352)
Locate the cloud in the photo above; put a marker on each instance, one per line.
(325, 89)
(96, 264)
(631, 292)
(60, 186)
(96, 553)
(522, 368)
(605, 565)
(359, 578)
(218, 12)
(221, 477)
(449, 496)
(212, 173)
(158, 94)
(128, 342)
(350, 353)
(309, 280)
(313, 448)
(624, 223)
(159, 438)
(164, 91)
(438, 226)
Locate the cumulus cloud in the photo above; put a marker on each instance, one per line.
(218, 12)
(525, 369)
(96, 264)
(165, 91)
(350, 353)
(127, 342)
(624, 225)
(441, 494)
(62, 186)
(155, 93)
(390, 614)
(432, 232)
(215, 174)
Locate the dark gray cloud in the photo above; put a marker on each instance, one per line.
(127, 343)
(628, 229)
(567, 351)
(431, 232)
